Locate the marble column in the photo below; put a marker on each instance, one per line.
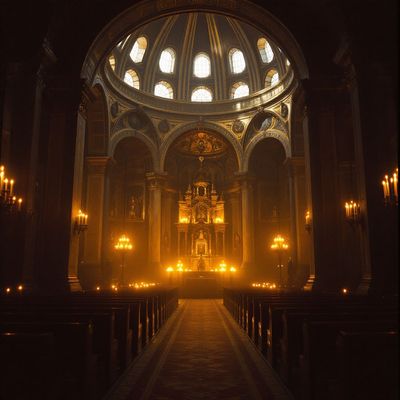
(73, 281)
(95, 203)
(155, 185)
(247, 188)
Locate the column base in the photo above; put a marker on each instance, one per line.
(73, 284)
(309, 286)
(364, 286)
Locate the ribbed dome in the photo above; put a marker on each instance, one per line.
(198, 57)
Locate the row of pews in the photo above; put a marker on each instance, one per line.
(323, 346)
(76, 346)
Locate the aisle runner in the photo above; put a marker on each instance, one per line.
(199, 354)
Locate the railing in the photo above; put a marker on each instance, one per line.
(258, 99)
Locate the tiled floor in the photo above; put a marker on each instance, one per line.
(200, 353)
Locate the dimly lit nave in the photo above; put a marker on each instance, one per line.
(199, 200)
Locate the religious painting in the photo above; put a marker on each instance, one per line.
(135, 203)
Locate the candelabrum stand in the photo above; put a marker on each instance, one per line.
(123, 246)
(279, 246)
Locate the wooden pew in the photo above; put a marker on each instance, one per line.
(75, 363)
(368, 365)
(318, 364)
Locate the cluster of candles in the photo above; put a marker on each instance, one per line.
(81, 218)
(279, 243)
(7, 196)
(390, 192)
(264, 285)
(132, 285)
(19, 289)
(352, 210)
(124, 243)
(222, 267)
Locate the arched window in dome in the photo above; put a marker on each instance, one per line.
(272, 78)
(138, 49)
(164, 89)
(236, 61)
(202, 65)
(131, 78)
(239, 89)
(201, 94)
(111, 61)
(266, 53)
(167, 61)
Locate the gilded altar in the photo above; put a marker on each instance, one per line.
(201, 226)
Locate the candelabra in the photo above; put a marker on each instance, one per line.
(390, 193)
(279, 246)
(352, 211)
(8, 200)
(81, 222)
(123, 246)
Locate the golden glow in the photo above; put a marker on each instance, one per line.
(232, 269)
(123, 244)
(184, 220)
(352, 210)
(170, 269)
(81, 218)
(390, 189)
(179, 266)
(219, 220)
(279, 243)
(20, 288)
(8, 290)
(222, 266)
(264, 285)
(344, 291)
(97, 288)
(141, 285)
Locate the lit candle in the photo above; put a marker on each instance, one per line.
(387, 185)
(11, 186)
(395, 185)
(19, 204)
(5, 184)
(1, 178)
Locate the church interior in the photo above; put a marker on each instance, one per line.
(199, 199)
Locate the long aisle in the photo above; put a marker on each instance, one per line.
(200, 353)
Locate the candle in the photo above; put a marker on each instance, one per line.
(395, 185)
(19, 204)
(11, 186)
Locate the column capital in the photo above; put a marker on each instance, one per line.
(97, 165)
(156, 180)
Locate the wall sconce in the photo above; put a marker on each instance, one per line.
(308, 220)
(390, 193)
(81, 222)
(8, 200)
(352, 211)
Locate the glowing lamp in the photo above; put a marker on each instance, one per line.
(219, 220)
(344, 291)
(123, 244)
(20, 288)
(179, 266)
(222, 266)
(307, 224)
(170, 269)
(8, 290)
(232, 269)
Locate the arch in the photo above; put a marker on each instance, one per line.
(164, 89)
(125, 133)
(167, 59)
(202, 65)
(239, 89)
(146, 10)
(265, 50)
(271, 78)
(207, 126)
(201, 94)
(273, 133)
(131, 78)
(237, 62)
(138, 49)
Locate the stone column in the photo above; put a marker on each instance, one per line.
(247, 222)
(73, 280)
(299, 239)
(95, 203)
(155, 184)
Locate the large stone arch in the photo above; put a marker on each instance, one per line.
(126, 133)
(148, 10)
(207, 126)
(279, 135)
